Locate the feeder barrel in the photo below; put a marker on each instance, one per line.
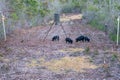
(56, 18)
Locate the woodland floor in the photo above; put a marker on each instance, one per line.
(25, 56)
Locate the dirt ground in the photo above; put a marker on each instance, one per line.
(27, 56)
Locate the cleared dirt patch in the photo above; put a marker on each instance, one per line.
(29, 58)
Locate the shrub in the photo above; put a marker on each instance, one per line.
(87, 50)
(113, 37)
(113, 57)
(95, 24)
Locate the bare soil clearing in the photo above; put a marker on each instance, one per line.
(24, 56)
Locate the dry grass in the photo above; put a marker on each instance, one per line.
(72, 17)
(67, 18)
(72, 50)
(78, 64)
(2, 59)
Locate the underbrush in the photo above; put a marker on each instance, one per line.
(113, 37)
(95, 24)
